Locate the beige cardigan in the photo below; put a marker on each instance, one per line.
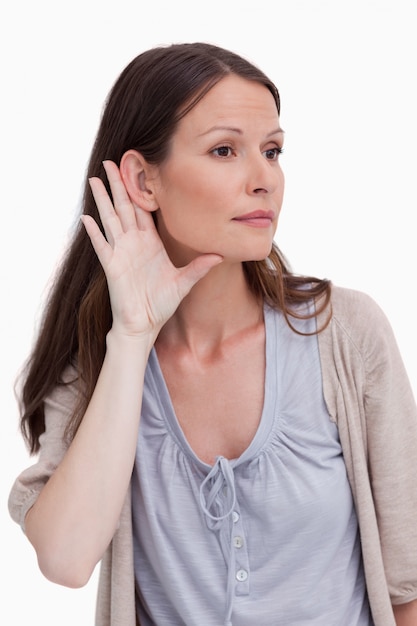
(368, 394)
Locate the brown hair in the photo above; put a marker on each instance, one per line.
(148, 99)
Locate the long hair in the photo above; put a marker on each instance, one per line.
(142, 111)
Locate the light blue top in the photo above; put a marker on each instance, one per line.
(270, 538)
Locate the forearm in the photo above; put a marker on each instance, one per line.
(406, 614)
(77, 512)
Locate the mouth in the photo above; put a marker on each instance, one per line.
(259, 219)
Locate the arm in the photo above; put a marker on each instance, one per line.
(76, 514)
(406, 614)
(378, 428)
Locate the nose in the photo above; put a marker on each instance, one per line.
(263, 176)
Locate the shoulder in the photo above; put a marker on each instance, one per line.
(353, 308)
(358, 340)
(358, 318)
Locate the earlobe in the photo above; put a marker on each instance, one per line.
(135, 172)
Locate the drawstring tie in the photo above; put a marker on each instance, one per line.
(218, 506)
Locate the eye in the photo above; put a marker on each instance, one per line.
(272, 154)
(222, 151)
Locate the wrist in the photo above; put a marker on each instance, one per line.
(141, 342)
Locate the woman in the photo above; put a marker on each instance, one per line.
(233, 442)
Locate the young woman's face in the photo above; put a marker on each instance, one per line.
(221, 188)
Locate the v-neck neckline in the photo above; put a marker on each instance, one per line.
(268, 408)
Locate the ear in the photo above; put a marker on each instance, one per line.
(136, 174)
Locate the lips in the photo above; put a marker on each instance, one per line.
(261, 219)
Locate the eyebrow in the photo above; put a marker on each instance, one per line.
(237, 130)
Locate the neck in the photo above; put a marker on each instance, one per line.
(218, 307)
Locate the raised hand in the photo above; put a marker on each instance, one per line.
(145, 287)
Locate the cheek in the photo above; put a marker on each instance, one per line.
(178, 185)
(193, 193)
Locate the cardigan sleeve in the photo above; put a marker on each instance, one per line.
(391, 423)
(370, 396)
(53, 445)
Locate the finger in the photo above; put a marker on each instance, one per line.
(111, 223)
(144, 219)
(195, 271)
(100, 244)
(121, 199)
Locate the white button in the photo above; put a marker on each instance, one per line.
(235, 517)
(242, 575)
(237, 542)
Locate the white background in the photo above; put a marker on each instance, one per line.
(346, 71)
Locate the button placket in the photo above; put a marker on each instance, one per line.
(239, 545)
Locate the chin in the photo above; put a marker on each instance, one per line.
(260, 255)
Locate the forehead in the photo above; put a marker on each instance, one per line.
(233, 98)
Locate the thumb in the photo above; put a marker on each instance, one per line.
(195, 271)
